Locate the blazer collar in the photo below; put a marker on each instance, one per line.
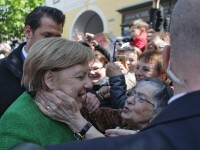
(14, 61)
(184, 107)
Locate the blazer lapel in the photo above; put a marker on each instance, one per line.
(183, 107)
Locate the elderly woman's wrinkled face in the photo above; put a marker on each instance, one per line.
(146, 69)
(139, 106)
(97, 71)
(73, 81)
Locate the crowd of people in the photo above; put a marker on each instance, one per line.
(57, 93)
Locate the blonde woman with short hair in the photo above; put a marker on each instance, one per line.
(53, 65)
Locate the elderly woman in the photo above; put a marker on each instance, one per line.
(145, 101)
(53, 65)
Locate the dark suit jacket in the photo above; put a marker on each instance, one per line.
(11, 70)
(177, 128)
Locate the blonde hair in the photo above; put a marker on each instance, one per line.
(140, 23)
(133, 49)
(136, 50)
(52, 54)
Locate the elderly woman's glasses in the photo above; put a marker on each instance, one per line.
(140, 97)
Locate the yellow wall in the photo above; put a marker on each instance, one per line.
(107, 7)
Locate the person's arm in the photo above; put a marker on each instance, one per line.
(117, 85)
(118, 132)
(118, 91)
(105, 118)
(63, 108)
(78, 124)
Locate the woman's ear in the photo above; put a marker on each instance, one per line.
(28, 32)
(166, 56)
(49, 80)
(163, 76)
(143, 30)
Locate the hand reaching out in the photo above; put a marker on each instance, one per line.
(115, 69)
(104, 91)
(118, 132)
(91, 102)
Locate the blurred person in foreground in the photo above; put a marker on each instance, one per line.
(177, 127)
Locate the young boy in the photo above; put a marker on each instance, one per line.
(139, 29)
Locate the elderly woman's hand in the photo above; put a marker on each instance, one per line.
(113, 69)
(61, 107)
(118, 132)
(91, 102)
(104, 92)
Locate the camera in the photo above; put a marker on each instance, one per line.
(125, 39)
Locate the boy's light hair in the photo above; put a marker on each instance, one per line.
(140, 23)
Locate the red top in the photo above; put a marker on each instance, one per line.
(140, 41)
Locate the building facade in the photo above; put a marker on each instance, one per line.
(109, 16)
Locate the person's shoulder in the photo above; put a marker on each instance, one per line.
(3, 66)
(21, 106)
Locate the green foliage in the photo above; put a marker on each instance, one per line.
(12, 17)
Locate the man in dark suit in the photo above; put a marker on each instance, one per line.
(40, 23)
(177, 127)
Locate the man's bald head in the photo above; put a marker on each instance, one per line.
(185, 46)
(185, 31)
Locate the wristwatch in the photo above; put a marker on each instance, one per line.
(81, 135)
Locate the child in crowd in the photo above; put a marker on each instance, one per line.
(139, 29)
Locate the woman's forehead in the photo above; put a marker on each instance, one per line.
(147, 60)
(146, 64)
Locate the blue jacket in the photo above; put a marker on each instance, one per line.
(11, 70)
(117, 91)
